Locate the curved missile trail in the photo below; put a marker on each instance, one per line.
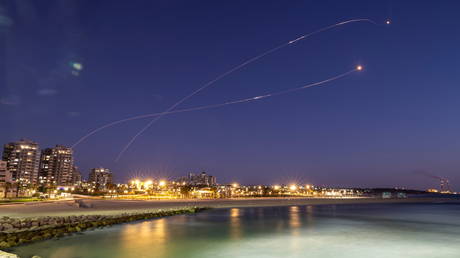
(358, 68)
(234, 69)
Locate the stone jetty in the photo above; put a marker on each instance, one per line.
(16, 231)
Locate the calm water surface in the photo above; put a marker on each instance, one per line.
(394, 230)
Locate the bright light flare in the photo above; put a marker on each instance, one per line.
(162, 183)
(388, 22)
(235, 185)
(293, 187)
(276, 187)
(359, 67)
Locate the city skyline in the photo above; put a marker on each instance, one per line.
(372, 129)
(54, 168)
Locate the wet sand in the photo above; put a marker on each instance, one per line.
(110, 207)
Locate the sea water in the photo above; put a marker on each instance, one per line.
(347, 231)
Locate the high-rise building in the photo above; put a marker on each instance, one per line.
(22, 159)
(76, 176)
(100, 177)
(5, 175)
(56, 166)
(6, 189)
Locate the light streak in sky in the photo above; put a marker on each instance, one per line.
(277, 93)
(234, 69)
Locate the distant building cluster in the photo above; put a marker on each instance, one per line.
(26, 170)
(201, 179)
(101, 177)
(25, 167)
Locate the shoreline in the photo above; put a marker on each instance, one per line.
(32, 223)
(117, 207)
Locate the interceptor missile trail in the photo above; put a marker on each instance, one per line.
(234, 69)
(358, 68)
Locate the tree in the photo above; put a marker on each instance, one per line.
(8, 186)
(185, 190)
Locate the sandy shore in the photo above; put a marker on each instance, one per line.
(111, 207)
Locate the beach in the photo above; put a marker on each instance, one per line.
(114, 207)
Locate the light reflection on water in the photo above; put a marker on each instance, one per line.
(348, 231)
(144, 235)
(235, 223)
(294, 220)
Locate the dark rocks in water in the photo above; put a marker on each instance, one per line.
(7, 226)
(36, 238)
(18, 231)
(4, 245)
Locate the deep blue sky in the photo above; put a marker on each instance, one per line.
(370, 129)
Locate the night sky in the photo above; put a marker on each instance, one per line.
(370, 129)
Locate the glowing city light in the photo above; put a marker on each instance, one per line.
(359, 67)
(293, 187)
(162, 183)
